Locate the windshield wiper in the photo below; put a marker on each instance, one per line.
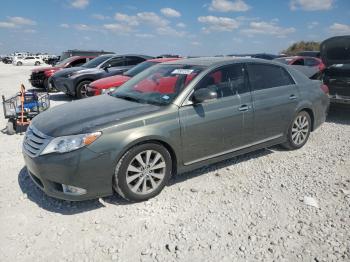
(130, 98)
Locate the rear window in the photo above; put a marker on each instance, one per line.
(338, 53)
(264, 76)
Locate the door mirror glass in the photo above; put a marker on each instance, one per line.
(204, 94)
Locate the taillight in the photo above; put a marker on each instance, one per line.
(325, 88)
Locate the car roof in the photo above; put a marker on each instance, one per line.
(164, 59)
(146, 57)
(213, 61)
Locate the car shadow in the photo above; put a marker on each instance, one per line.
(339, 114)
(36, 195)
(64, 207)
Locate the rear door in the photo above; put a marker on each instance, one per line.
(218, 126)
(116, 65)
(275, 97)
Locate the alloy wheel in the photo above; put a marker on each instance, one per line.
(300, 130)
(145, 172)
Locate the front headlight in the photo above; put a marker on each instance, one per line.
(66, 144)
(108, 91)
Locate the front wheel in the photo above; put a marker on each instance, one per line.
(142, 172)
(37, 63)
(299, 131)
(19, 63)
(81, 91)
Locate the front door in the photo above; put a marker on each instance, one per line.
(218, 126)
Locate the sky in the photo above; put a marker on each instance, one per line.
(153, 27)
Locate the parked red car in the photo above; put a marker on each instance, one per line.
(39, 77)
(302, 61)
(109, 84)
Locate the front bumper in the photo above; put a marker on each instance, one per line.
(63, 84)
(82, 168)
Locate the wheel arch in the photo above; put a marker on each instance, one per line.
(311, 114)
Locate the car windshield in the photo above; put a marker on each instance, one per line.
(139, 68)
(65, 61)
(159, 84)
(97, 61)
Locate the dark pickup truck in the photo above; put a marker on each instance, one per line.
(335, 53)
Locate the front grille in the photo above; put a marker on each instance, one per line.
(34, 141)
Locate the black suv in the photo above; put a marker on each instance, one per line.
(335, 53)
(74, 81)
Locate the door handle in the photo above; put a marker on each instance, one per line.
(292, 97)
(243, 108)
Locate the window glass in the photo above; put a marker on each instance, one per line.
(264, 76)
(114, 62)
(226, 81)
(298, 62)
(78, 62)
(134, 60)
(311, 62)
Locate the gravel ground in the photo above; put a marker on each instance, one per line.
(270, 205)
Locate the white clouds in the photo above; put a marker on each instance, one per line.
(144, 35)
(181, 25)
(65, 25)
(128, 19)
(100, 17)
(169, 12)
(118, 28)
(196, 43)
(229, 6)
(169, 31)
(312, 25)
(152, 19)
(339, 29)
(16, 22)
(83, 27)
(79, 4)
(311, 5)
(267, 28)
(7, 25)
(220, 24)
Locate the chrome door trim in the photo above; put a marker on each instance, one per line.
(233, 150)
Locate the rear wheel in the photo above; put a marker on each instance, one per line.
(37, 63)
(81, 91)
(19, 63)
(142, 172)
(299, 131)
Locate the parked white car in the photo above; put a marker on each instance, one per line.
(29, 60)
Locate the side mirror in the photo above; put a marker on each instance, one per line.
(105, 67)
(204, 94)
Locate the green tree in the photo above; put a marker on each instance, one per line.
(302, 46)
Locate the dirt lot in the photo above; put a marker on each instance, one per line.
(251, 208)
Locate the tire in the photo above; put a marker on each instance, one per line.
(140, 186)
(19, 63)
(10, 128)
(299, 131)
(46, 85)
(81, 89)
(37, 63)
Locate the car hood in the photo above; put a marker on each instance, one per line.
(88, 115)
(67, 71)
(336, 50)
(112, 81)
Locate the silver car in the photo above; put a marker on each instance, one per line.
(169, 119)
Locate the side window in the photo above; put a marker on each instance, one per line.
(133, 60)
(298, 62)
(29, 57)
(311, 62)
(264, 76)
(78, 62)
(226, 81)
(114, 62)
